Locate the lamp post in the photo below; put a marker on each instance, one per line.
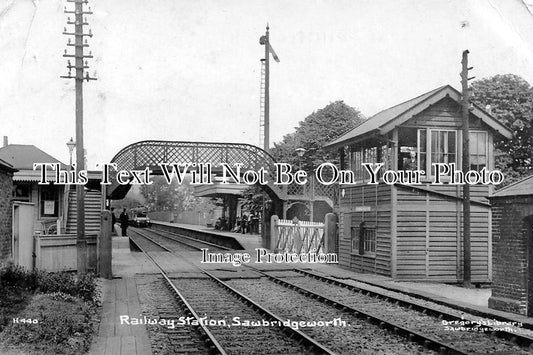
(71, 145)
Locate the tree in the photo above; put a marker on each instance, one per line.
(127, 202)
(314, 132)
(510, 99)
(175, 197)
(317, 129)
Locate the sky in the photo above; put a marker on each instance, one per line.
(190, 70)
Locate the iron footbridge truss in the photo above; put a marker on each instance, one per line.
(151, 153)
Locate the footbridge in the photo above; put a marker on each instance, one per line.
(151, 153)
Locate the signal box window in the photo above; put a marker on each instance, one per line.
(478, 150)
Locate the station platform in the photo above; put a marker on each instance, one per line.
(248, 241)
(120, 297)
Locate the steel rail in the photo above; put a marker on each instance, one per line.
(150, 239)
(214, 345)
(519, 339)
(160, 233)
(311, 344)
(428, 342)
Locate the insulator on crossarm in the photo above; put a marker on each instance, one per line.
(90, 32)
(90, 53)
(86, 62)
(64, 29)
(69, 40)
(85, 20)
(68, 62)
(85, 40)
(68, 18)
(65, 51)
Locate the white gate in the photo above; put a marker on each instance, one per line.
(297, 236)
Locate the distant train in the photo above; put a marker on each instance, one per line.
(138, 217)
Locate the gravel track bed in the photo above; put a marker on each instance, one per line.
(425, 303)
(198, 244)
(171, 244)
(184, 244)
(157, 302)
(217, 304)
(357, 337)
(468, 341)
(144, 243)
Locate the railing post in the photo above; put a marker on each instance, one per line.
(330, 233)
(274, 236)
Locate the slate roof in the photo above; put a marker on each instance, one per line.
(5, 166)
(23, 156)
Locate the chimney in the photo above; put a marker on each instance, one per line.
(5, 141)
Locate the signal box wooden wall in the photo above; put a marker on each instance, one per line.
(414, 232)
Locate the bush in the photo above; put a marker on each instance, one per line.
(53, 324)
(17, 277)
(82, 286)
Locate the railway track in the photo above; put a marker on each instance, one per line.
(350, 333)
(426, 326)
(169, 240)
(430, 327)
(428, 307)
(223, 303)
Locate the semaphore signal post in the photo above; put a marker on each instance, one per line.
(80, 65)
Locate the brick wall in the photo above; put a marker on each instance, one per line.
(510, 253)
(6, 187)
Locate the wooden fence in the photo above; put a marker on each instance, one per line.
(59, 253)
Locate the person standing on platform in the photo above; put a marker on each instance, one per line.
(244, 224)
(124, 219)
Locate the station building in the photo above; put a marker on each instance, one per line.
(41, 210)
(414, 231)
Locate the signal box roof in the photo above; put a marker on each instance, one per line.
(385, 121)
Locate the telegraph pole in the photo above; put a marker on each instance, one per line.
(467, 261)
(80, 42)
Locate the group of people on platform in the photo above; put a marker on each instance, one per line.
(242, 224)
(123, 219)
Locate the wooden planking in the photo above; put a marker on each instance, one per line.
(427, 233)
(445, 114)
(378, 198)
(59, 252)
